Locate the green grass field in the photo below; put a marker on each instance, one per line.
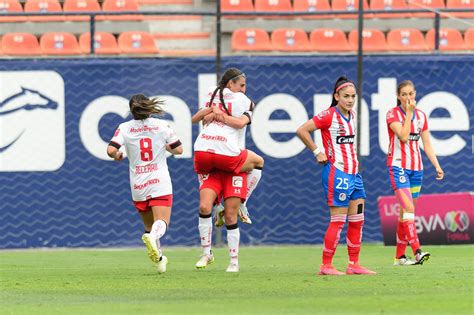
(273, 280)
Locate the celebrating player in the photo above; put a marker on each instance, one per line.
(343, 186)
(406, 124)
(146, 140)
(232, 86)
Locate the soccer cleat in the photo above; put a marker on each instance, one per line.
(151, 247)
(161, 265)
(244, 214)
(421, 257)
(204, 261)
(219, 215)
(404, 261)
(356, 269)
(233, 267)
(329, 270)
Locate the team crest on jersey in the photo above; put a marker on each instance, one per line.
(342, 196)
(32, 110)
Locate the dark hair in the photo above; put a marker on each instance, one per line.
(143, 107)
(340, 81)
(231, 74)
(401, 86)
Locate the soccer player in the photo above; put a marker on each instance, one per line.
(406, 124)
(146, 140)
(228, 110)
(213, 187)
(343, 186)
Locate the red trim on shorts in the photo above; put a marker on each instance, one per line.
(392, 179)
(161, 201)
(332, 170)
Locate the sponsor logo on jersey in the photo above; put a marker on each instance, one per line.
(32, 110)
(414, 137)
(345, 139)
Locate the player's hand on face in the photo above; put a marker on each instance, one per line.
(322, 158)
(411, 105)
(440, 173)
(118, 156)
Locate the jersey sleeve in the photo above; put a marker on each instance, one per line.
(323, 120)
(425, 123)
(171, 137)
(391, 116)
(117, 140)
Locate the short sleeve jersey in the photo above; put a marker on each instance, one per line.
(406, 155)
(219, 138)
(145, 144)
(339, 137)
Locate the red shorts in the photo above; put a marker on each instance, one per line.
(161, 201)
(226, 185)
(207, 162)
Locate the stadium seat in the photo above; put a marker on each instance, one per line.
(104, 43)
(20, 44)
(461, 4)
(429, 4)
(373, 40)
(71, 6)
(351, 6)
(389, 5)
(59, 43)
(285, 39)
(237, 6)
(329, 40)
(274, 6)
(120, 5)
(407, 39)
(137, 43)
(312, 6)
(251, 39)
(43, 6)
(469, 39)
(12, 6)
(449, 39)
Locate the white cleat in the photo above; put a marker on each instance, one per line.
(244, 214)
(404, 261)
(161, 265)
(421, 257)
(204, 261)
(233, 267)
(219, 219)
(151, 247)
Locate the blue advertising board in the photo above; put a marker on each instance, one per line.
(59, 189)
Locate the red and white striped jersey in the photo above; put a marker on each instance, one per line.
(406, 155)
(339, 139)
(145, 144)
(219, 138)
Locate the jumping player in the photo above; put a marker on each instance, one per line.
(406, 124)
(146, 140)
(342, 182)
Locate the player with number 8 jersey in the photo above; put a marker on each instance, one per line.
(146, 140)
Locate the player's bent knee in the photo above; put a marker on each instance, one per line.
(205, 208)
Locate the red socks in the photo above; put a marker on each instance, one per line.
(354, 236)
(411, 235)
(401, 240)
(331, 239)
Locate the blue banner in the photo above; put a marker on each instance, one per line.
(59, 189)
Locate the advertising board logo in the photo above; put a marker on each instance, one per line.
(32, 126)
(456, 221)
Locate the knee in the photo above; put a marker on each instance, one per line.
(230, 215)
(205, 208)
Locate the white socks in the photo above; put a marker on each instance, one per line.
(205, 232)
(158, 229)
(253, 178)
(233, 240)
